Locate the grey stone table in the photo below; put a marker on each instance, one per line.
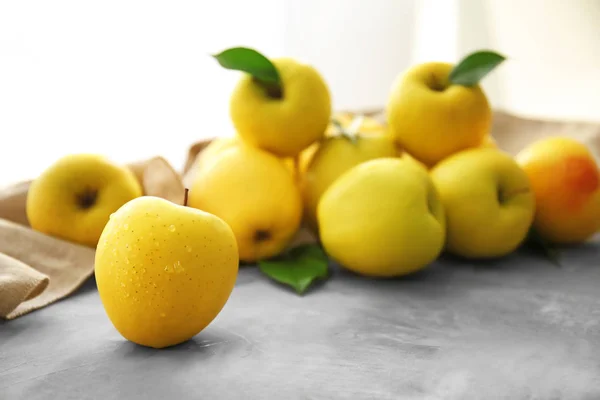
(519, 328)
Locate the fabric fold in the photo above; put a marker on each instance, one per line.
(21, 283)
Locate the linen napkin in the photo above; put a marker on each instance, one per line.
(36, 269)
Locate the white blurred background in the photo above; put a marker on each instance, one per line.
(134, 79)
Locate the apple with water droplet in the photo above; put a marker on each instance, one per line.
(164, 271)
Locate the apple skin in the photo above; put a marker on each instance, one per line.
(566, 181)
(488, 200)
(432, 119)
(369, 126)
(255, 193)
(334, 156)
(382, 218)
(74, 197)
(164, 271)
(288, 125)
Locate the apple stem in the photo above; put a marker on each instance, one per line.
(185, 197)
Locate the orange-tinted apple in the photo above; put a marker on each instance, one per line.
(566, 181)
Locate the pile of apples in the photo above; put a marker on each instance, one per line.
(381, 199)
(386, 199)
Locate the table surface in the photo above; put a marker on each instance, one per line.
(517, 328)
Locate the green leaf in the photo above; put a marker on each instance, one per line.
(298, 268)
(254, 63)
(346, 133)
(355, 125)
(338, 125)
(473, 68)
(537, 242)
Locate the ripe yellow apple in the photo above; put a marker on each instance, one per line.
(73, 198)
(334, 156)
(367, 126)
(566, 181)
(382, 218)
(164, 271)
(255, 193)
(431, 118)
(488, 201)
(287, 125)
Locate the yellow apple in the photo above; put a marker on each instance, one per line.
(164, 271)
(431, 118)
(382, 218)
(255, 193)
(367, 126)
(488, 201)
(334, 156)
(566, 182)
(73, 198)
(287, 124)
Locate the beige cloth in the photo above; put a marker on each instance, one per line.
(513, 133)
(37, 270)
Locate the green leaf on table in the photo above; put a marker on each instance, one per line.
(537, 242)
(474, 67)
(298, 268)
(254, 63)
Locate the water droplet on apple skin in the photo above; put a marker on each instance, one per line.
(122, 284)
(162, 315)
(172, 228)
(177, 267)
(125, 226)
(188, 248)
